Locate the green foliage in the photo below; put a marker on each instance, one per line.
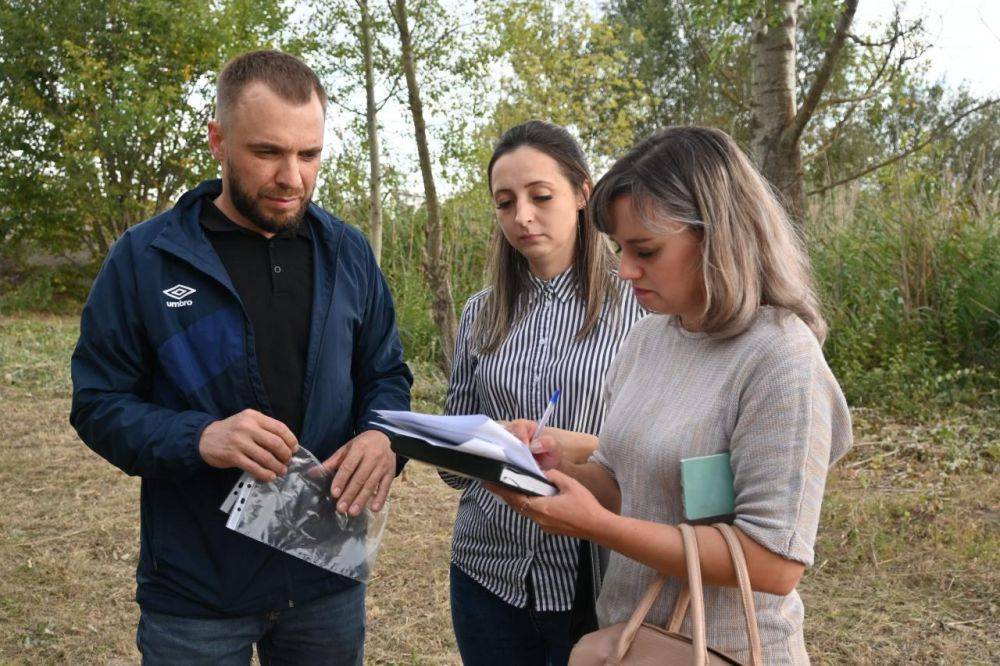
(56, 289)
(566, 66)
(105, 108)
(911, 282)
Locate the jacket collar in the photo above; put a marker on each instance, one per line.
(183, 236)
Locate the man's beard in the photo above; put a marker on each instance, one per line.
(249, 206)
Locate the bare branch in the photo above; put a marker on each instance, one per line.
(987, 25)
(345, 107)
(914, 27)
(809, 104)
(397, 85)
(930, 136)
(728, 84)
(870, 90)
(424, 52)
(837, 101)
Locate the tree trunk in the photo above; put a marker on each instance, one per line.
(371, 121)
(778, 122)
(435, 268)
(773, 102)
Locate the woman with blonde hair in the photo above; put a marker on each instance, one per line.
(731, 363)
(552, 318)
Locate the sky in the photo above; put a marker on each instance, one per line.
(965, 35)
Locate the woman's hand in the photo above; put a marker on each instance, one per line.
(546, 449)
(573, 512)
(555, 445)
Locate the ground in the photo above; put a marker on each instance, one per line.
(907, 567)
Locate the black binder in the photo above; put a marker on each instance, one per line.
(473, 466)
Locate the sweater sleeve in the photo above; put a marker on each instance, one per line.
(792, 424)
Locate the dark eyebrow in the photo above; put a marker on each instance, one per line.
(265, 145)
(531, 184)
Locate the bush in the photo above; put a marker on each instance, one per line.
(911, 283)
(54, 289)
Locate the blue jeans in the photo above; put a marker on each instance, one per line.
(328, 630)
(490, 631)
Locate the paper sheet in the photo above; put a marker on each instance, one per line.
(473, 433)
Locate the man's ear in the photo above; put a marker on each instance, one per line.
(215, 139)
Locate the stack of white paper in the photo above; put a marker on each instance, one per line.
(474, 433)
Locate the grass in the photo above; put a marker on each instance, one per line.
(907, 569)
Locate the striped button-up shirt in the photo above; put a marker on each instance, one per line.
(493, 544)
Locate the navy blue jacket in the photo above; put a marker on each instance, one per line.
(151, 370)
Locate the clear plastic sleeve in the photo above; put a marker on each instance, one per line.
(296, 515)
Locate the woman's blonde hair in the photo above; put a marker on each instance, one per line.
(593, 260)
(751, 254)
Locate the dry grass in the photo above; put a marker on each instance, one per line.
(907, 566)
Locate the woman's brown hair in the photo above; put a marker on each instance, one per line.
(593, 260)
(751, 254)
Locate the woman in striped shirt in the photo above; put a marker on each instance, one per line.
(552, 318)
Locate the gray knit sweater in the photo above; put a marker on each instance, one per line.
(768, 397)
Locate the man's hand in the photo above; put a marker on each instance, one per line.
(252, 441)
(365, 468)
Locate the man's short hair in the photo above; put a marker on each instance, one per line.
(287, 76)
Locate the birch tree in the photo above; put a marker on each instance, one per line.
(778, 119)
(348, 39)
(812, 97)
(371, 124)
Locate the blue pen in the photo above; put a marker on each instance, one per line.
(551, 407)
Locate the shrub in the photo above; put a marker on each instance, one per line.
(911, 282)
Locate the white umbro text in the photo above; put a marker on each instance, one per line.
(178, 292)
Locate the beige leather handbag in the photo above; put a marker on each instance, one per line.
(635, 643)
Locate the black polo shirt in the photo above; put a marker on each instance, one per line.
(274, 279)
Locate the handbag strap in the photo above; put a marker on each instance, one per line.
(746, 592)
(746, 595)
(680, 609)
(639, 614)
(692, 596)
(696, 595)
(693, 563)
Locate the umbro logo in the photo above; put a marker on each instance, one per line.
(179, 292)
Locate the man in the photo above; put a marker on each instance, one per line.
(218, 337)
